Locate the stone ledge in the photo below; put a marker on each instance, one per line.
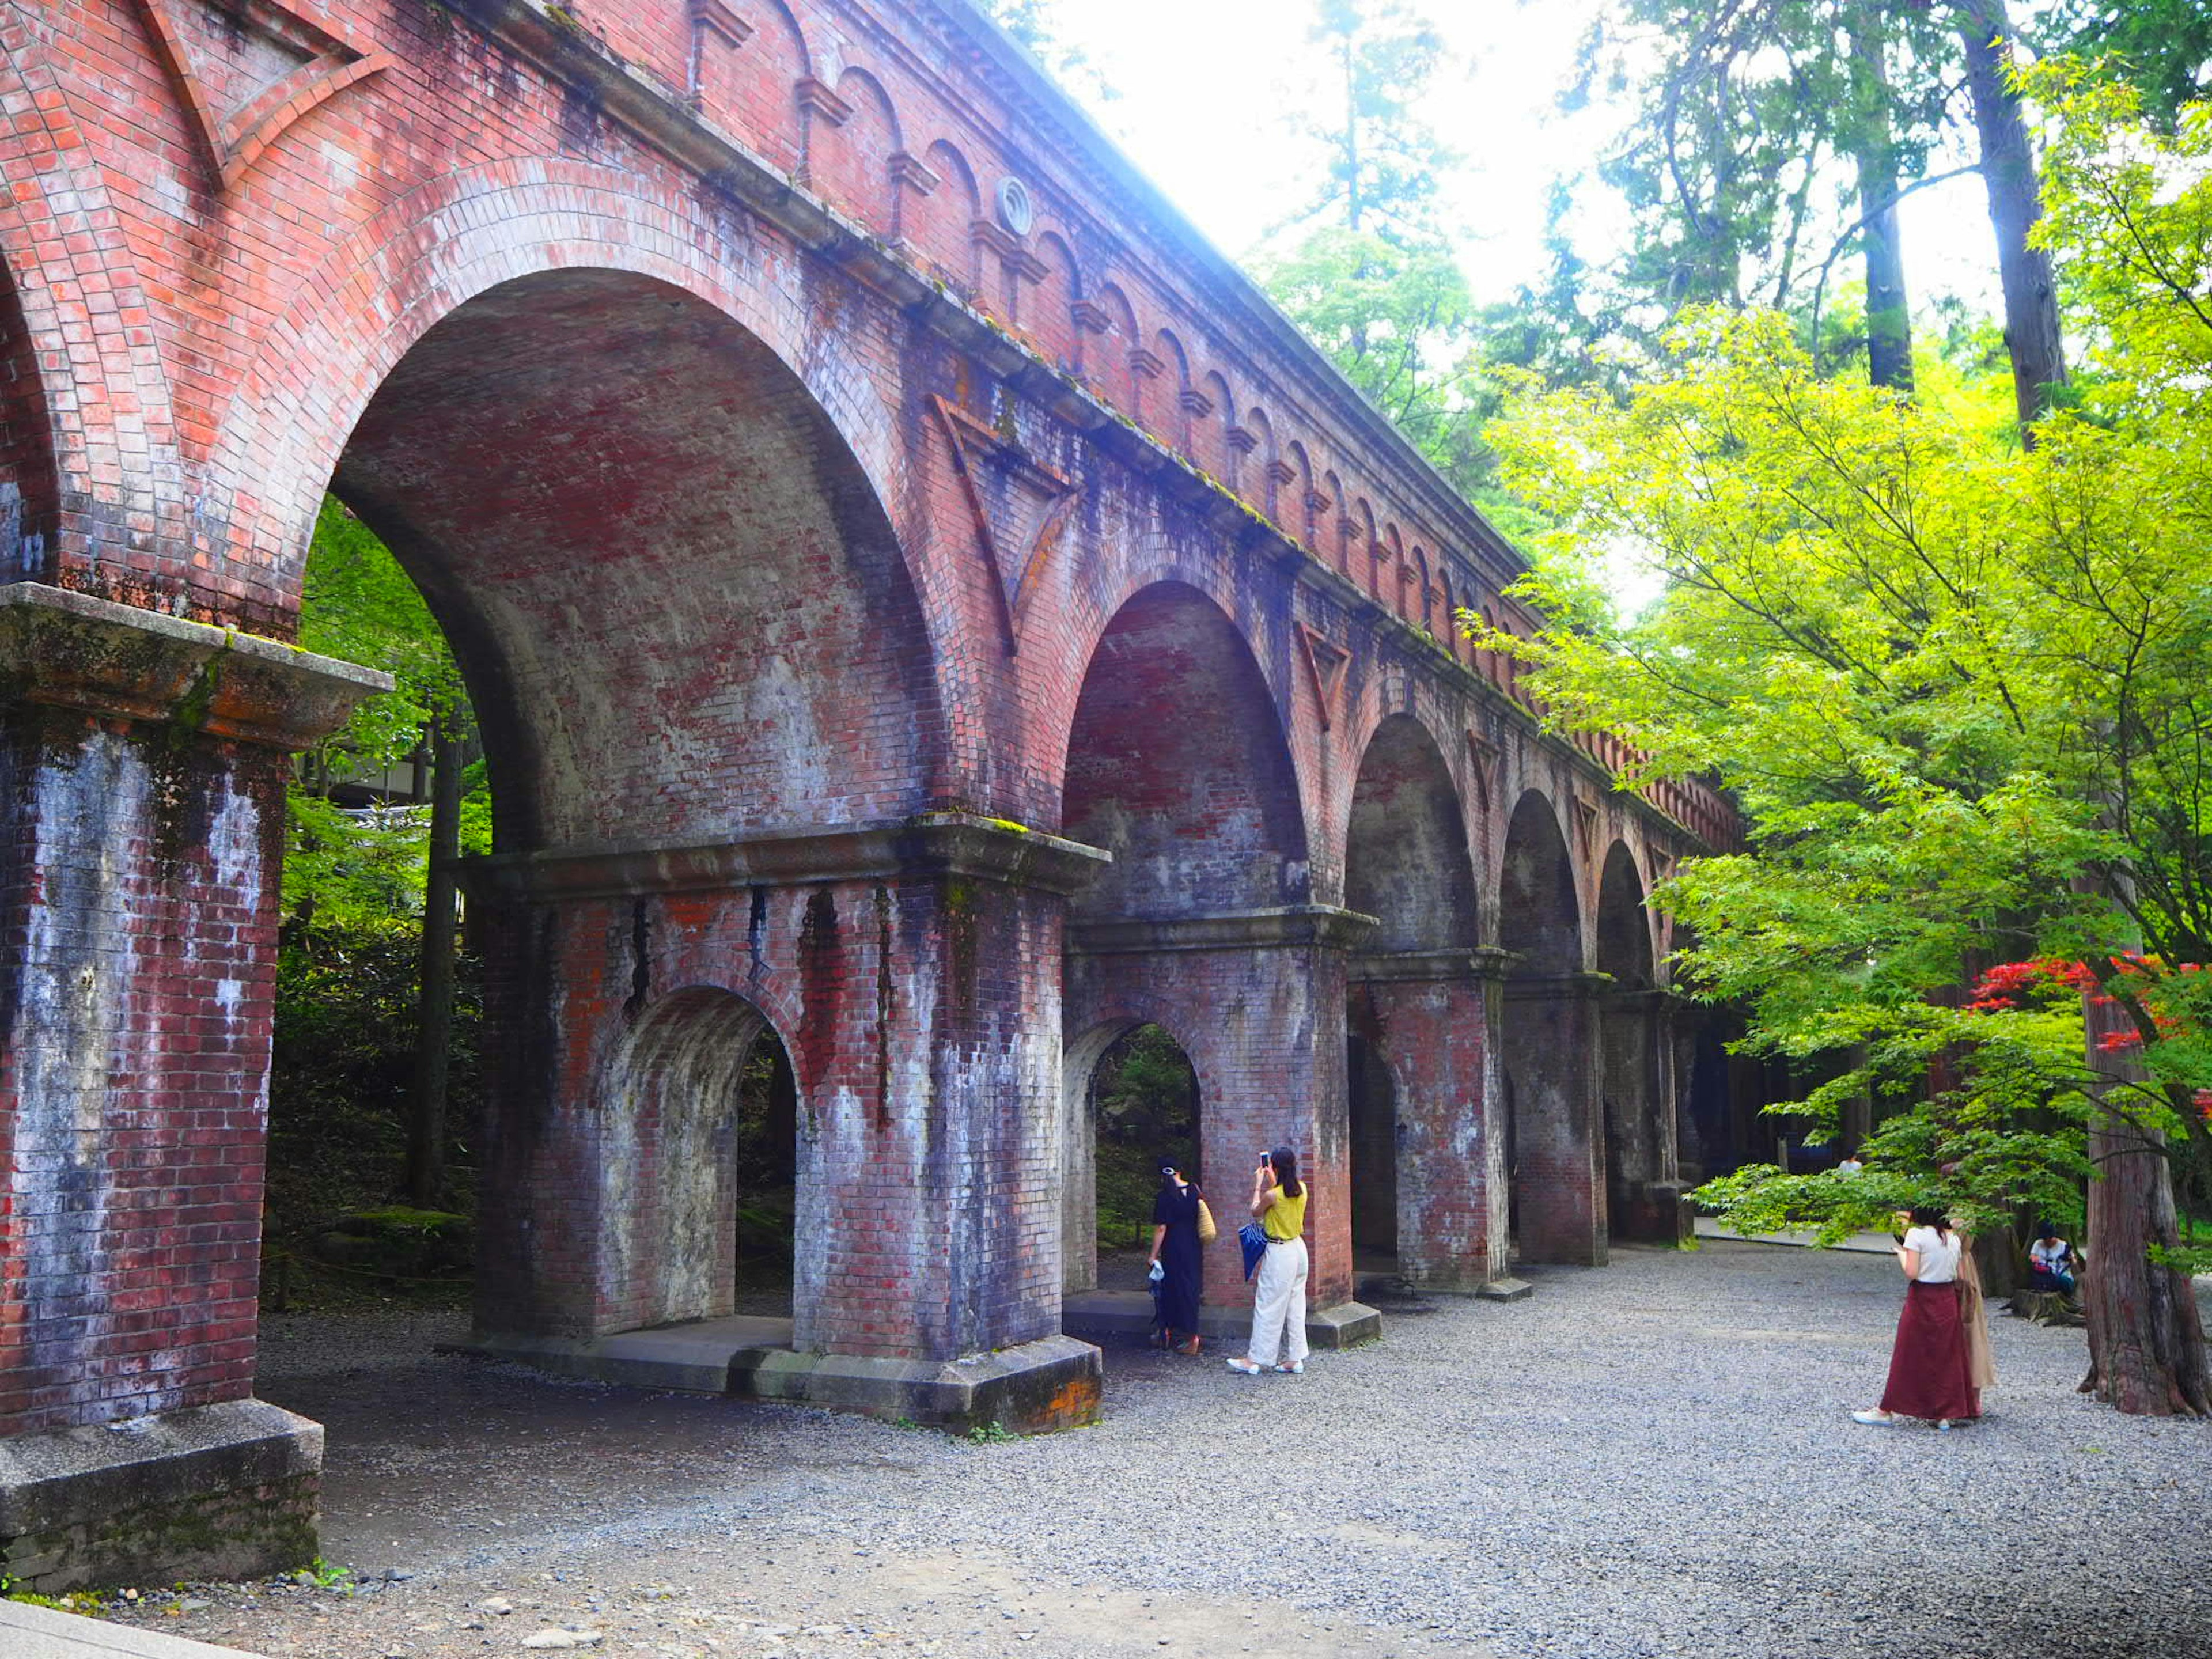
(933, 844)
(1412, 967)
(225, 1491)
(1122, 1316)
(1507, 1289)
(29, 1632)
(1032, 1388)
(1325, 924)
(69, 650)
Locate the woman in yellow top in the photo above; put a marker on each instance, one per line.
(1278, 1300)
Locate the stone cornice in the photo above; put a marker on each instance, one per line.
(1465, 962)
(932, 845)
(1325, 926)
(1525, 986)
(67, 650)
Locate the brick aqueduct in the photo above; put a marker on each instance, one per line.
(920, 599)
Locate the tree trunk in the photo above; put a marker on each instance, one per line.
(426, 1127)
(1888, 313)
(2030, 297)
(2146, 1342)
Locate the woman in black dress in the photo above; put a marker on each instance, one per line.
(1175, 1252)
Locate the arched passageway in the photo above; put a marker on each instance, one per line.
(1549, 1046)
(1421, 1154)
(705, 1169)
(1642, 1176)
(1134, 1103)
(681, 610)
(701, 672)
(1177, 763)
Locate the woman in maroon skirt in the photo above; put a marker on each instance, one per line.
(1928, 1377)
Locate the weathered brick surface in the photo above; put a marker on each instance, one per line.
(770, 480)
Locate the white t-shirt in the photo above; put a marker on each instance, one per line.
(2049, 1253)
(1939, 1255)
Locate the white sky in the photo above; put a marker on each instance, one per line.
(1204, 84)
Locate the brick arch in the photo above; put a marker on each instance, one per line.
(1204, 815)
(1114, 371)
(1540, 893)
(103, 392)
(557, 690)
(766, 73)
(663, 1099)
(1176, 389)
(380, 291)
(848, 160)
(1406, 859)
(1624, 947)
(1096, 1023)
(944, 221)
(1048, 310)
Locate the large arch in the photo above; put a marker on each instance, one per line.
(686, 624)
(681, 611)
(1178, 764)
(1413, 1059)
(1642, 1184)
(1549, 1046)
(345, 327)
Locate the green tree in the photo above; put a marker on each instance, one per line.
(1959, 689)
(1762, 130)
(357, 872)
(1369, 278)
(1382, 159)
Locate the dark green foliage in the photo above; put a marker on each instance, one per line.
(2163, 47)
(343, 1062)
(765, 1149)
(1146, 1096)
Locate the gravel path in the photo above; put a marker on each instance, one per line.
(1656, 1459)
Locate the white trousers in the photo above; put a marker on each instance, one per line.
(1278, 1306)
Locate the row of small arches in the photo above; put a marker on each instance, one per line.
(837, 127)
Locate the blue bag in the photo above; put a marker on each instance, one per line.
(1253, 1238)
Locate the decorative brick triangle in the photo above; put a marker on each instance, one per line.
(1585, 812)
(1019, 508)
(1483, 756)
(1325, 662)
(248, 69)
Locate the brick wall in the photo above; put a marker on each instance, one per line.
(767, 482)
(134, 1000)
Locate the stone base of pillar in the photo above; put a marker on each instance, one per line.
(1118, 1318)
(1655, 1214)
(1032, 1388)
(228, 1490)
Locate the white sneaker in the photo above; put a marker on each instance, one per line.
(1296, 1368)
(1874, 1419)
(1243, 1365)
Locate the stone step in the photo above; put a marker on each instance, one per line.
(29, 1632)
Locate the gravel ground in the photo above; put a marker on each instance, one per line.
(1656, 1459)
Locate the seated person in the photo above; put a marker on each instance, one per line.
(2050, 1261)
